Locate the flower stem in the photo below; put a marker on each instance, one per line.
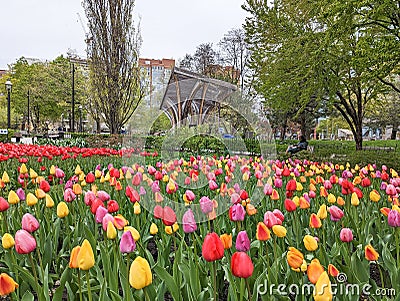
(34, 274)
(215, 279)
(381, 275)
(88, 286)
(397, 234)
(248, 288)
(241, 289)
(79, 284)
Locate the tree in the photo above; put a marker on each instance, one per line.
(305, 50)
(113, 60)
(235, 53)
(187, 62)
(204, 59)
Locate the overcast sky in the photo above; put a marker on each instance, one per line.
(44, 29)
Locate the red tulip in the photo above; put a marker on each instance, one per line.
(24, 242)
(112, 206)
(213, 248)
(290, 205)
(3, 204)
(241, 265)
(90, 178)
(169, 216)
(158, 212)
(291, 185)
(44, 185)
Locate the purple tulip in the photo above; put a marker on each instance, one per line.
(346, 235)
(188, 221)
(242, 242)
(29, 223)
(21, 194)
(127, 243)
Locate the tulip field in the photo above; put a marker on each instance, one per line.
(101, 224)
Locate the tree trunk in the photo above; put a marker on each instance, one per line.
(358, 136)
(98, 126)
(394, 131)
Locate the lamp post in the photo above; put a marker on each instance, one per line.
(80, 118)
(8, 88)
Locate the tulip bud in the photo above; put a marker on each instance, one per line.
(153, 229)
(135, 233)
(212, 248)
(314, 271)
(346, 235)
(226, 240)
(29, 223)
(241, 265)
(370, 253)
(310, 243)
(111, 231)
(279, 230)
(322, 289)
(73, 259)
(13, 197)
(31, 200)
(7, 284)
(262, 232)
(24, 242)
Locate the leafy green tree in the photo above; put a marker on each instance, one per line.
(305, 50)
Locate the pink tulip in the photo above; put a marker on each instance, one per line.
(190, 196)
(21, 194)
(142, 191)
(235, 198)
(24, 242)
(327, 184)
(394, 218)
(59, 173)
(206, 205)
(107, 218)
(268, 189)
(100, 213)
(127, 243)
(242, 242)
(29, 223)
(271, 220)
(278, 183)
(279, 214)
(212, 185)
(151, 170)
(89, 198)
(103, 196)
(336, 213)
(346, 235)
(4, 205)
(69, 195)
(237, 212)
(188, 221)
(391, 190)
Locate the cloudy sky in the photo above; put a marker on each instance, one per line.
(44, 29)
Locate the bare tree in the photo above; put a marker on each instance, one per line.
(205, 58)
(235, 53)
(187, 62)
(113, 59)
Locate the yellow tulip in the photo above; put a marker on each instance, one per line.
(322, 212)
(32, 174)
(153, 229)
(354, 199)
(374, 196)
(279, 230)
(31, 200)
(40, 194)
(78, 170)
(13, 197)
(310, 243)
(169, 230)
(136, 208)
(128, 175)
(135, 233)
(97, 174)
(5, 178)
(62, 210)
(299, 187)
(331, 198)
(81, 177)
(49, 201)
(23, 169)
(175, 227)
(85, 256)
(322, 289)
(140, 273)
(77, 189)
(111, 231)
(7, 241)
(52, 170)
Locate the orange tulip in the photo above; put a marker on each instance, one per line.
(340, 201)
(263, 232)
(294, 258)
(7, 284)
(370, 253)
(332, 270)
(274, 195)
(303, 204)
(73, 260)
(226, 240)
(315, 221)
(250, 209)
(314, 271)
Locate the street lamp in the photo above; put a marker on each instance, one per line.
(8, 88)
